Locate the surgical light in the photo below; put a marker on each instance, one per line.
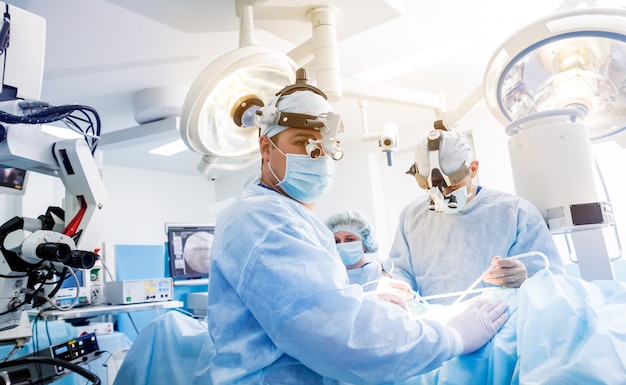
(559, 84)
(571, 59)
(218, 112)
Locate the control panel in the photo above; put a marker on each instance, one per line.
(138, 291)
(77, 351)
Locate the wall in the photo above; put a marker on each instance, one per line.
(143, 201)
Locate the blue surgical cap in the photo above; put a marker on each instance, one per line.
(301, 102)
(355, 222)
(453, 152)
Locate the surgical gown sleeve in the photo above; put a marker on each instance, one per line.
(400, 254)
(280, 306)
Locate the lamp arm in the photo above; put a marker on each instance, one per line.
(451, 118)
(246, 26)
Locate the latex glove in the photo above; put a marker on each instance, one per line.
(394, 291)
(392, 297)
(506, 272)
(401, 288)
(478, 323)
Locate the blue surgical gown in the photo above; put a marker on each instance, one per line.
(367, 274)
(445, 253)
(281, 309)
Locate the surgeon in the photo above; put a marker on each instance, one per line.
(281, 309)
(462, 231)
(356, 244)
(354, 238)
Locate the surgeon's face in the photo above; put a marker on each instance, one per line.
(290, 141)
(448, 190)
(346, 236)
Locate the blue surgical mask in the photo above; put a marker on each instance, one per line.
(350, 252)
(461, 196)
(306, 179)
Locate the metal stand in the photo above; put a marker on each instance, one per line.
(592, 255)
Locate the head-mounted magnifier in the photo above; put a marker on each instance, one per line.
(329, 123)
(437, 180)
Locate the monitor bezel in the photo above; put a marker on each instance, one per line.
(174, 229)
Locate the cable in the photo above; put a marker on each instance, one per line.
(133, 323)
(37, 293)
(106, 269)
(37, 112)
(95, 380)
(19, 343)
(5, 33)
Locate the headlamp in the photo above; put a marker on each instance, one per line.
(437, 180)
(330, 130)
(329, 124)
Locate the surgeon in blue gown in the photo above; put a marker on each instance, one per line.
(443, 248)
(281, 309)
(357, 246)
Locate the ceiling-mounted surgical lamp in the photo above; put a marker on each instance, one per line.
(218, 112)
(218, 115)
(558, 84)
(572, 59)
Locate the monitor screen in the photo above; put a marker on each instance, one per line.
(12, 180)
(189, 248)
(67, 293)
(69, 282)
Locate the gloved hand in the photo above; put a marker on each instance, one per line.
(478, 323)
(394, 291)
(401, 288)
(392, 297)
(506, 272)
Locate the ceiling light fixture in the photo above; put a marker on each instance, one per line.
(218, 112)
(571, 59)
(559, 84)
(218, 116)
(170, 149)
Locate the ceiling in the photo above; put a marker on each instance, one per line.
(102, 53)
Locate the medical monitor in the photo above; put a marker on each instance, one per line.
(189, 250)
(66, 296)
(12, 180)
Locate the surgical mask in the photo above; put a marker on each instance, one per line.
(306, 179)
(461, 196)
(350, 252)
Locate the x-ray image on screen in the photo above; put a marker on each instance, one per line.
(190, 251)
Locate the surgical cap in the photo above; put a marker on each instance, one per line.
(453, 152)
(355, 222)
(301, 102)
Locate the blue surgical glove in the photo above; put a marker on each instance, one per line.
(475, 326)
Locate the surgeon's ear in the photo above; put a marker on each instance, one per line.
(473, 168)
(264, 147)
